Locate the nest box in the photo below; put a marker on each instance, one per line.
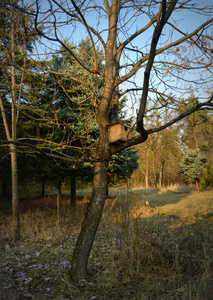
(118, 132)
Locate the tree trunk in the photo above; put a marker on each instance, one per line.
(197, 184)
(107, 191)
(73, 190)
(195, 137)
(113, 114)
(97, 201)
(91, 222)
(147, 171)
(15, 200)
(147, 178)
(13, 150)
(161, 175)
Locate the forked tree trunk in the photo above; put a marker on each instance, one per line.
(96, 204)
(90, 223)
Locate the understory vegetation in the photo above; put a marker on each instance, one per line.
(151, 244)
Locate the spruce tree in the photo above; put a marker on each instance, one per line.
(192, 166)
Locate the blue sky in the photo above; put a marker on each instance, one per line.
(187, 20)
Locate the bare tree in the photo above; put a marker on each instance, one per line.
(146, 50)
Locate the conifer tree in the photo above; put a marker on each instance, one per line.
(192, 166)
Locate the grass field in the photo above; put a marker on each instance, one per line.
(163, 250)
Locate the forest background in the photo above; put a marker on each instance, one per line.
(158, 162)
(61, 95)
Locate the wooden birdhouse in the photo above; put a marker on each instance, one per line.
(118, 132)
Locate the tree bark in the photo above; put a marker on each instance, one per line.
(147, 178)
(13, 150)
(107, 191)
(195, 136)
(15, 199)
(147, 170)
(113, 113)
(161, 174)
(100, 182)
(91, 222)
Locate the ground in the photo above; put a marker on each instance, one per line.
(163, 251)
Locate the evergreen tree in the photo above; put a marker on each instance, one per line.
(192, 166)
(74, 131)
(122, 165)
(207, 176)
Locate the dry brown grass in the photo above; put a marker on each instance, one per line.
(164, 251)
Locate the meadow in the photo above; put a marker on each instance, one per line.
(151, 244)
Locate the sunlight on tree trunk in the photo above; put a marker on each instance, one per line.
(15, 200)
(13, 149)
(195, 137)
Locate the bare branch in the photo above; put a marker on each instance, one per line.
(63, 157)
(138, 139)
(200, 106)
(57, 39)
(160, 50)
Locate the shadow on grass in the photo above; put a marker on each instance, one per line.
(119, 198)
(155, 197)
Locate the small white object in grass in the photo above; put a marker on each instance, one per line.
(38, 254)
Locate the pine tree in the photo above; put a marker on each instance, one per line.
(207, 176)
(192, 166)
